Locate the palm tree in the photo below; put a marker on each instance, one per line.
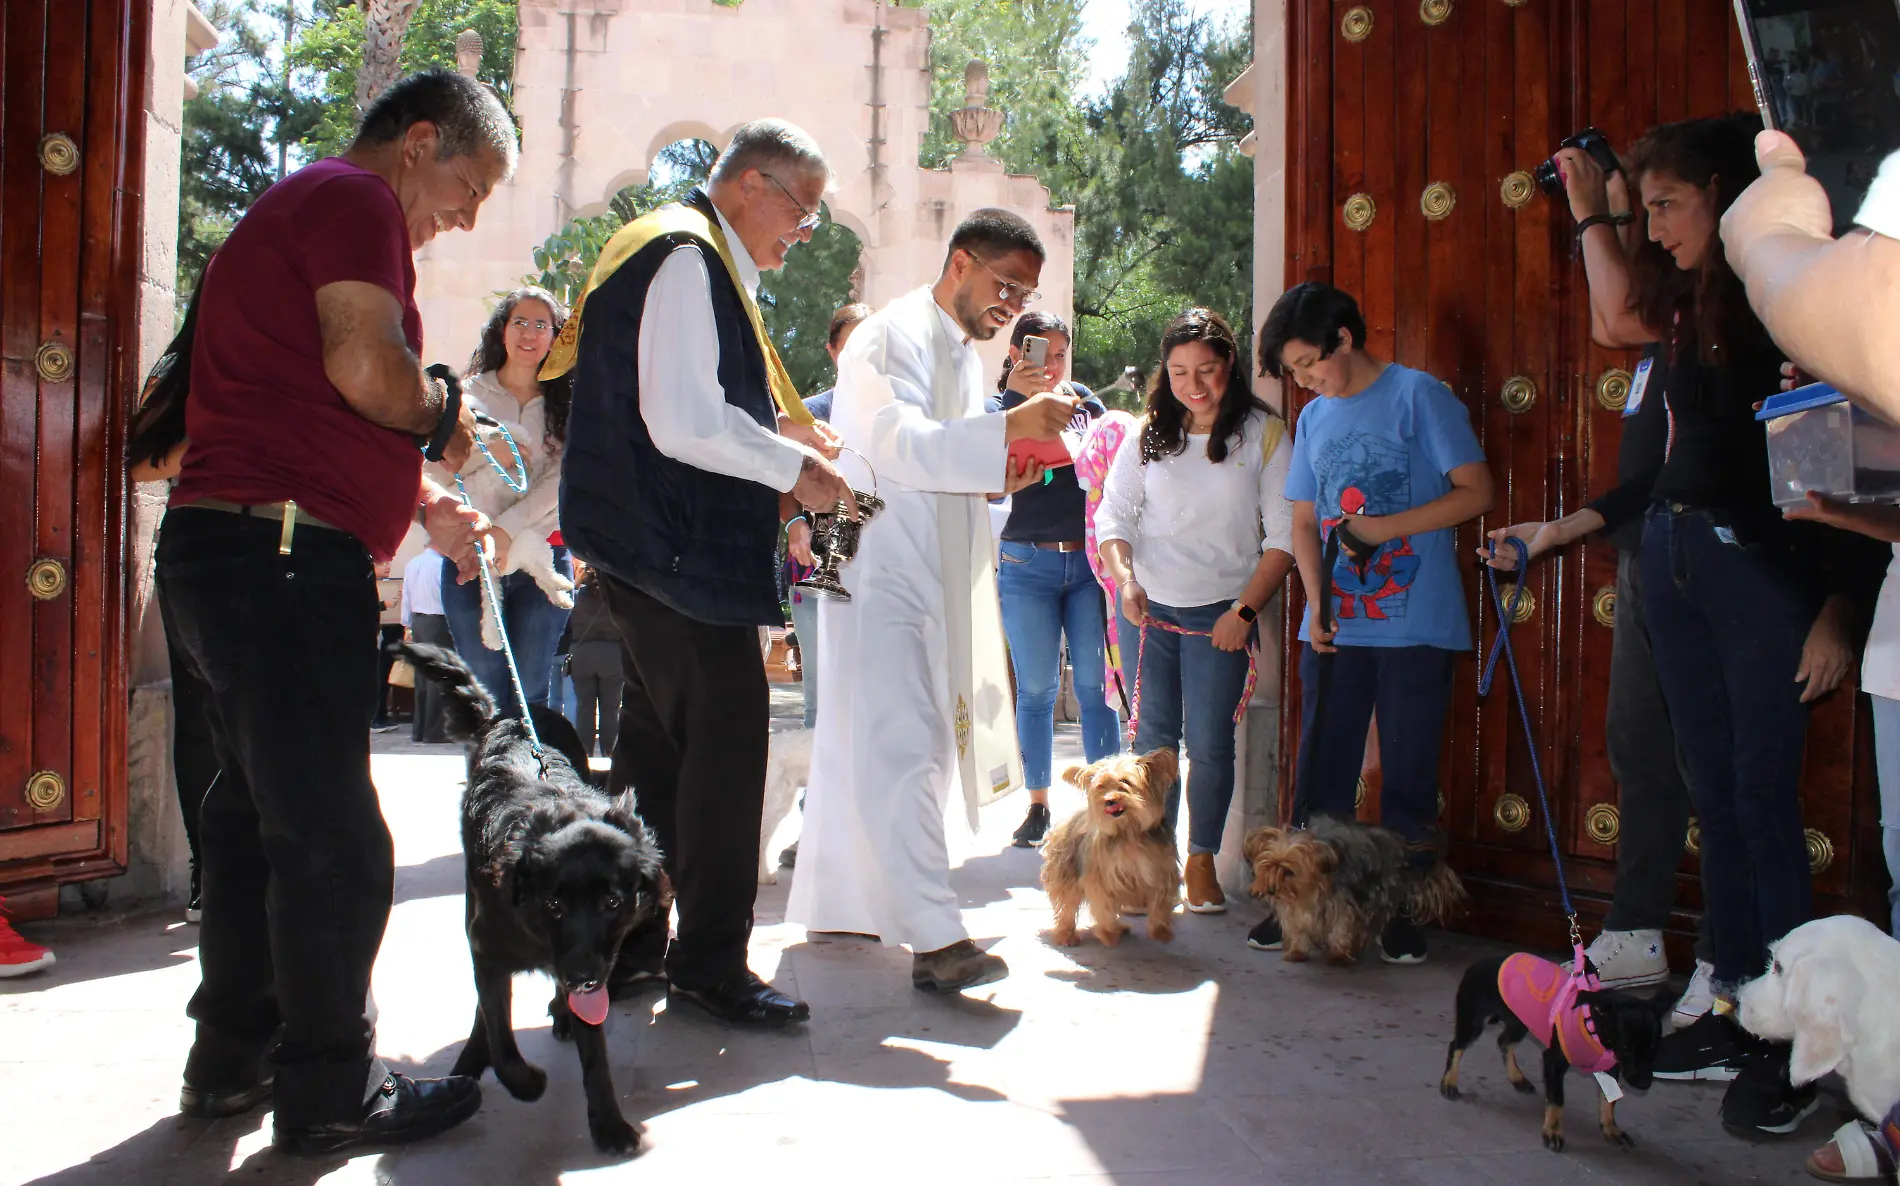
(384, 23)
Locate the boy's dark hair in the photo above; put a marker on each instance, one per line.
(998, 229)
(1313, 313)
(1164, 430)
(844, 319)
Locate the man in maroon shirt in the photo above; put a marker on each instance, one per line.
(308, 404)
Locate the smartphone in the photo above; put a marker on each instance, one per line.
(1036, 351)
(1827, 72)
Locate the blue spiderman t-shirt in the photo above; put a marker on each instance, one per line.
(1383, 451)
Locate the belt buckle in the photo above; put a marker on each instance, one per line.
(290, 528)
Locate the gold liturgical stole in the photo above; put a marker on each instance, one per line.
(628, 242)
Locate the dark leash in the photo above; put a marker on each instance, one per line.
(1361, 554)
(1507, 615)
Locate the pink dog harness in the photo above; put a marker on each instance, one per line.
(1544, 997)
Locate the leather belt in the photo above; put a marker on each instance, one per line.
(288, 513)
(1067, 545)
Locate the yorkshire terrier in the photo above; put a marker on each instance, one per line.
(1334, 885)
(1118, 853)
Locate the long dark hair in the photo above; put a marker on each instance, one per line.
(1705, 311)
(1040, 323)
(159, 424)
(492, 350)
(1164, 432)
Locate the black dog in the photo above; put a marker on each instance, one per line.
(1628, 1026)
(558, 874)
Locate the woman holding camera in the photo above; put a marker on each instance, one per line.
(1045, 583)
(503, 382)
(1744, 633)
(1196, 534)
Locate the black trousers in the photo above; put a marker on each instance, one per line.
(297, 863)
(194, 751)
(694, 731)
(599, 680)
(428, 724)
(1652, 782)
(386, 635)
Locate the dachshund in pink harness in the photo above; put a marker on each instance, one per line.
(1611, 1035)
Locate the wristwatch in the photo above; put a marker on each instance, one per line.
(1245, 611)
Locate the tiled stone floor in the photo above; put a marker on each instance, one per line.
(1202, 1062)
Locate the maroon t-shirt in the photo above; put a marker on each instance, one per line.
(265, 423)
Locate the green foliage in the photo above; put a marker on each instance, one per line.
(1163, 198)
(331, 50)
(797, 302)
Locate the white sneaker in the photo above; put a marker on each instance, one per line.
(1629, 959)
(1697, 999)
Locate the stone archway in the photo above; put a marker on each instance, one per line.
(602, 85)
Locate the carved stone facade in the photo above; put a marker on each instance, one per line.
(601, 86)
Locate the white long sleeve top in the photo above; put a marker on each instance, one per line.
(684, 406)
(1196, 529)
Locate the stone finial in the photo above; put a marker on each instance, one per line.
(468, 52)
(976, 124)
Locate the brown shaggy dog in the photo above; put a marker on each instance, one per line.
(1118, 852)
(1334, 885)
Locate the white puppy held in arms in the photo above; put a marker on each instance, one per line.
(1833, 989)
(786, 771)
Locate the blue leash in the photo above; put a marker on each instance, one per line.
(491, 588)
(1507, 615)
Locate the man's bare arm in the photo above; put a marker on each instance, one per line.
(368, 360)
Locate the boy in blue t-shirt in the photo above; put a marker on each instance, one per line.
(1388, 454)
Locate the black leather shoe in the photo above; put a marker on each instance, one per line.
(404, 1110)
(744, 1000)
(209, 1104)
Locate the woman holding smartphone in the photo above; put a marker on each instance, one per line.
(1044, 580)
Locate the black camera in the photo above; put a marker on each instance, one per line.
(1589, 140)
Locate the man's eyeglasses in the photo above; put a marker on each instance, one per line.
(524, 325)
(1012, 293)
(811, 218)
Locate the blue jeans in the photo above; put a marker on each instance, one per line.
(1887, 758)
(1045, 595)
(1728, 610)
(1186, 677)
(533, 624)
(1411, 688)
(805, 622)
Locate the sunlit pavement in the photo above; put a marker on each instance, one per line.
(1199, 1062)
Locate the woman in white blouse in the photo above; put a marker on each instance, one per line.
(533, 570)
(1194, 530)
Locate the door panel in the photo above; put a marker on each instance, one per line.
(1492, 293)
(71, 142)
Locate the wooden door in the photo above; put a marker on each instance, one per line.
(72, 79)
(1414, 126)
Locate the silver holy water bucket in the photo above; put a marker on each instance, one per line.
(834, 541)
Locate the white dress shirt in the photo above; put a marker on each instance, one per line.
(684, 406)
(1196, 529)
(422, 586)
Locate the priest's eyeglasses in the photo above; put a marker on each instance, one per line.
(1012, 293)
(524, 325)
(812, 217)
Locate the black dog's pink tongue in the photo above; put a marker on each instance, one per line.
(591, 1006)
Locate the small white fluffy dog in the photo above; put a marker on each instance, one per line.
(786, 771)
(536, 558)
(1831, 990)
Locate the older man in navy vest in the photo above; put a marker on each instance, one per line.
(671, 488)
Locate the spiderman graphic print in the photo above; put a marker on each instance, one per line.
(1386, 450)
(1380, 478)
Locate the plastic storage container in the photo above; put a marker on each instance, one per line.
(1819, 441)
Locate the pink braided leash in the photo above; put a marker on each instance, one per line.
(1141, 644)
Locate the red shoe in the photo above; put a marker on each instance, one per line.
(17, 956)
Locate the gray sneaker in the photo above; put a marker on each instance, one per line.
(954, 968)
(1628, 959)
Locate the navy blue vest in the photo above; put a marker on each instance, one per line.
(702, 543)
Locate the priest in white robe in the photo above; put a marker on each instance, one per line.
(917, 701)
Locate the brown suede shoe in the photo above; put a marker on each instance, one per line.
(954, 968)
(1203, 888)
